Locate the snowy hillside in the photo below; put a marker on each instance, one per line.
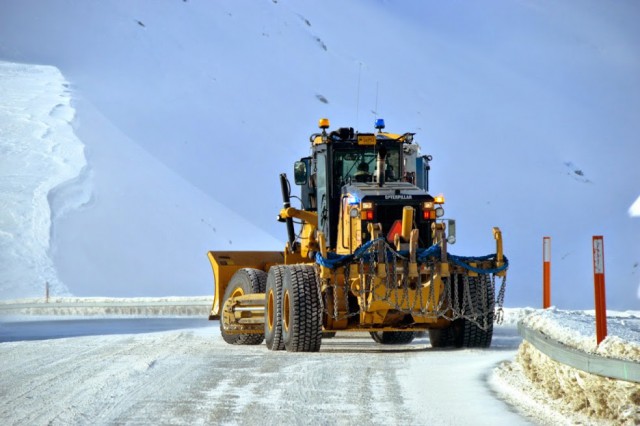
(38, 153)
(123, 199)
(190, 108)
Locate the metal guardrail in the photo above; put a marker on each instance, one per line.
(172, 307)
(594, 364)
(97, 304)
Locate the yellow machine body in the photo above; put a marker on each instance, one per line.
(379, 257)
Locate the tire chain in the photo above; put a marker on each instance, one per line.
(449, 299)
(500, 299)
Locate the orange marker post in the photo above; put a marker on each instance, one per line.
(546, 272)
(598, 283)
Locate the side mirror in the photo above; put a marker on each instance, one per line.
(451, 235)
(300, 172)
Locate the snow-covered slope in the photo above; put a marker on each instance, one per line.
(634, 211)
(127, 227)
(147, 227)
(528, 109)
(38, 153)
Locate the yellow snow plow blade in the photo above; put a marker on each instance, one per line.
(226, 263)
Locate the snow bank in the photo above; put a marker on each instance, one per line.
(598, 397)
(543, 388)
(511, 316)
(39, 154)
(97, 307)
(577, 329)
(634, 210)
(556, 394)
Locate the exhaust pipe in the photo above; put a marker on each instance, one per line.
(381, 166)
(286, 203)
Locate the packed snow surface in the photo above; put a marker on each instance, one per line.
(114, 369)
(191, 376)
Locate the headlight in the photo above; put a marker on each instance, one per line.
(439, 212)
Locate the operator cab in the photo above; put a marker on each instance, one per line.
(369, 177)
(357, 164)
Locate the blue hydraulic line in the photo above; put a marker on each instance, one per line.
(333, 261)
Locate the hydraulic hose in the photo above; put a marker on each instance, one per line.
(284, 185)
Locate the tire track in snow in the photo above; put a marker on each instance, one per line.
(193, 377)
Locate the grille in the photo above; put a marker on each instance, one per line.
(387, 214)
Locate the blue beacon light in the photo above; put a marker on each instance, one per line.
(379, 124)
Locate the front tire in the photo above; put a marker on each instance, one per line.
(479, 332)
(301, 309)
(273, 308)
(244, 281)
(476, 332)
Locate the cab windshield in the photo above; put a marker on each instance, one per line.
(359, 165)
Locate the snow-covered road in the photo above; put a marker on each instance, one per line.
(190, 376)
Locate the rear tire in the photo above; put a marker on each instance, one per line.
(301, 309)
(393, 337)
(244, 281)
(441, 337)
(273, 309)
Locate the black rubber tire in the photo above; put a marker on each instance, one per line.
(466, 333)
(441, 337)
(301, 309)
(393, 337)
(273, 309)
(328, 334)
(248, 281)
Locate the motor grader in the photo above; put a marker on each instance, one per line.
(370, 255)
